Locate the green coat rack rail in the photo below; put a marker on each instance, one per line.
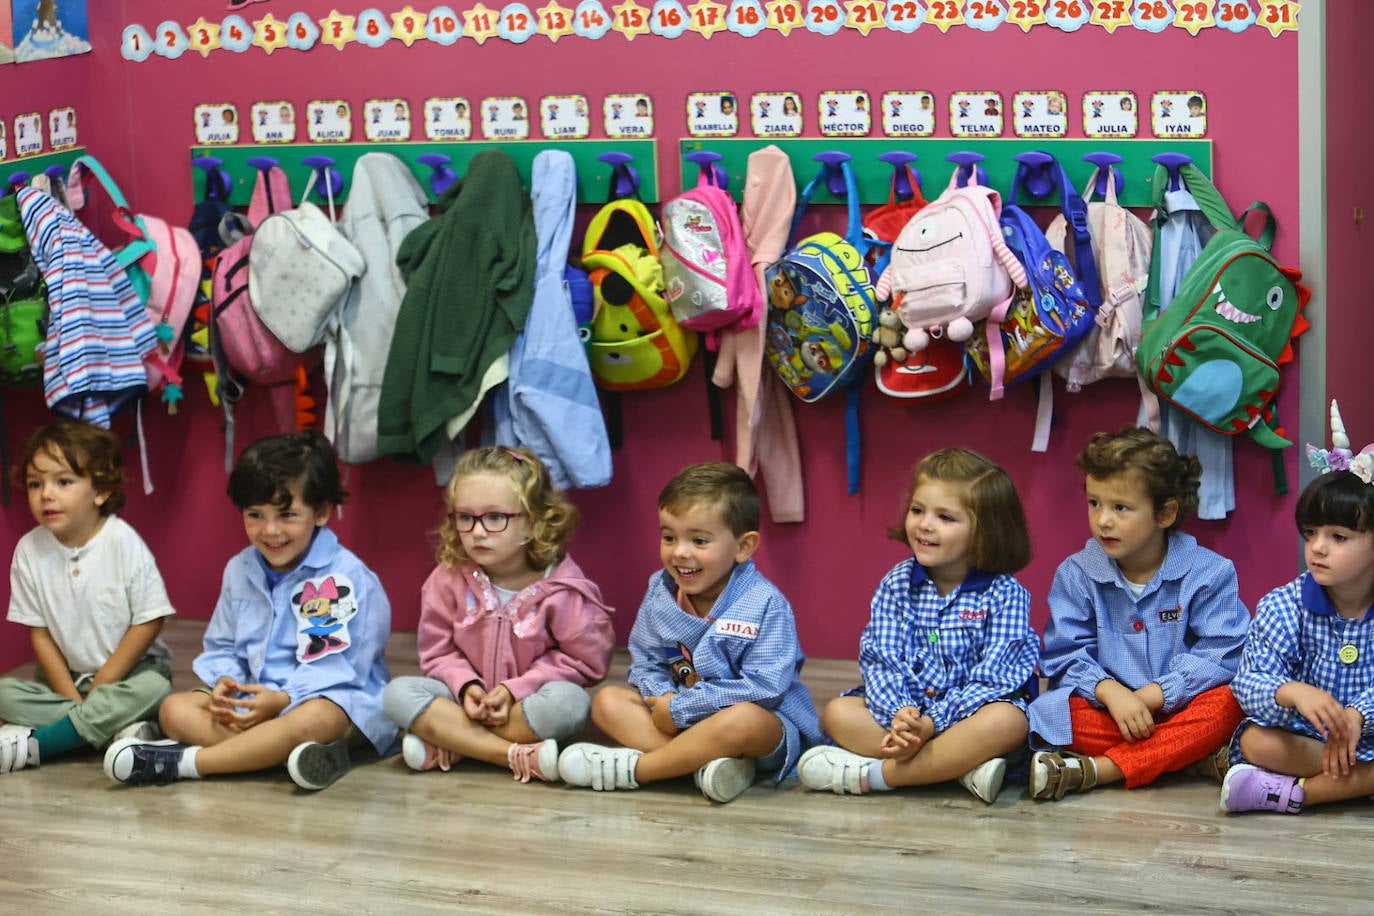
(995, 158)
(448, 161)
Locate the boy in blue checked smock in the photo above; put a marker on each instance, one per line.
(949, 646)
(715, 661)
(1145, 631)
(1306, 679)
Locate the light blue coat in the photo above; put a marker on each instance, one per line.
(549, 404)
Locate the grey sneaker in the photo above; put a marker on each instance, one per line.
(725, 778)
(315, 766)
(144, 763)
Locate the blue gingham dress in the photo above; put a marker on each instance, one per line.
(1298, 636)
(946, 655)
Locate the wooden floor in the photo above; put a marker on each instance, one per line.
(386, 840)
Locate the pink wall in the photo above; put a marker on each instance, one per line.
(1350, 184)
(829, 565)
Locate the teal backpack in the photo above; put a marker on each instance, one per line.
(1215, 351)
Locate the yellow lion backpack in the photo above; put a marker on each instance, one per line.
(635, 341)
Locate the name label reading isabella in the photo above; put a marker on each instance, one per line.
(737, 628)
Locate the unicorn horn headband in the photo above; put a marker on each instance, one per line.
(1339, 457)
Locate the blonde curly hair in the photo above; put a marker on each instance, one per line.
(552, 518)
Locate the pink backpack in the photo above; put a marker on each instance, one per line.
(708, 277)
(163, 263)
(949, 265)
(242, 347)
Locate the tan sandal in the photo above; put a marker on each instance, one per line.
(1055, 774)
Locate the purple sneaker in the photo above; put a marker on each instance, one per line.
(1248, 788)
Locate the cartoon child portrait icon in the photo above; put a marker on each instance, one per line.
(896, 106)
(1027, 107)
(764, 105)
(1166, 108)
(964, 106)
(832, 107)
(1097, 108)
(700, 106)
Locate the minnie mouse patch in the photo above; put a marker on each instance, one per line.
(323, 608)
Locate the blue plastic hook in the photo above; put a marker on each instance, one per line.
(263, 163)
(17, 180)
(716, 174)
(967, 162)
(443, 176)
(56, 171)
(900, 160)
(330, 178)
(624, 177)
(834, 175)
(1106, 170)
(1037, 174)
(222, 182)
(1173, 162)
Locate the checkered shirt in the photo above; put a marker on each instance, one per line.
(946, 655)
(1298, 636)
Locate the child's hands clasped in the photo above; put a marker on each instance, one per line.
(238, 707)
(1133, 716)
(490, 708)
(1340, 726)
(907, 734)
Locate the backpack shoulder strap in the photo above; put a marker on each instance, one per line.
(271, 194)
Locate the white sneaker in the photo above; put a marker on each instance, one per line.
(16, 751)
(147, 730)
(826, 767)
(725, 778)
(985, 780)
(601, 768)
(315, 766)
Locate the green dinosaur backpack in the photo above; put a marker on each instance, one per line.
(1215, 351)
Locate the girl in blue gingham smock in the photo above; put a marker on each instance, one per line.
(948, 647)
(1306, 679)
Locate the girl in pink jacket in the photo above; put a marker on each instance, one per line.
(511, 632)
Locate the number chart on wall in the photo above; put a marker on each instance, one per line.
(277, 29)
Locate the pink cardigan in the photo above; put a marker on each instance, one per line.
(558, 629)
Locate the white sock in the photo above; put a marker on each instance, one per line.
(186, 768)
(876, 783)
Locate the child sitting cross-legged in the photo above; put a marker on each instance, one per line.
(948, 649)
(293, 662)
(715, 662)
(1145, 633)
(511, 631)
(1306, 679)
(86, 586)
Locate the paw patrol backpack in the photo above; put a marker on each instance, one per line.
(822, 311)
